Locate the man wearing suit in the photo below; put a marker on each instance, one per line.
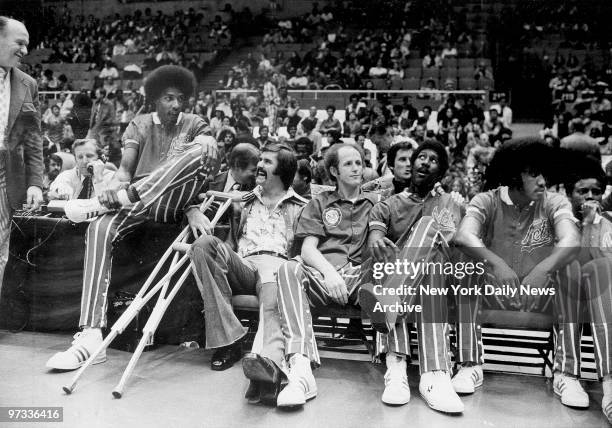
(21, 160)
(101, 124)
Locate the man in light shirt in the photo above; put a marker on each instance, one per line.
(87, 179)
(246, 264)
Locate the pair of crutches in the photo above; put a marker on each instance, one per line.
(178, 251)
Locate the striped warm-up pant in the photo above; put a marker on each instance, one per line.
(597, 286)
(163, 194)
(567, 306)
(5, 219)
(426, 243)
(299, 288)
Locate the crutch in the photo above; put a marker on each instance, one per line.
(148, 291)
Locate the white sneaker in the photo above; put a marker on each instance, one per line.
(437, 390)
(570, 391)
(80, 210)
(397, 391)
(84, 344)
(468, 379)
(606, 407)
(302, 385)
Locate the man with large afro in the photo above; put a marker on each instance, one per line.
(166, 156)
(527, 241)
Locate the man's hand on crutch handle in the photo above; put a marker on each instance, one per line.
(198, 222)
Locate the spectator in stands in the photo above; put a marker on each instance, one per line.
(432, 59)
(505, 112)
(579, 141)
(352, 126)
(299, 81)
(101, 123)
(330, 123)
(311, 121)
(53, 166)
(303, 178)
(216, 123)
(357, 107)
(264, 136)
(53, 127)
(378, 71)
(80, 115)
(87, 179)
(493, 125)
(109, 70)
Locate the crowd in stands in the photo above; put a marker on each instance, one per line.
(177, 38)
(336, 55)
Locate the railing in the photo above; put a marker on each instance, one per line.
(53, 95)
(340, 97)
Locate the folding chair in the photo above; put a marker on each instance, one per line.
(178, 253)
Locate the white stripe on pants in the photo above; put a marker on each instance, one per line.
(163, 194)
(299, 288)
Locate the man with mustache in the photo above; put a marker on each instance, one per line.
(246, 264)
(415, 225)
(167, 155)
(523, 235)
(333, 227)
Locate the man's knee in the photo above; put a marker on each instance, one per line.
(206, 245)
(287, 270)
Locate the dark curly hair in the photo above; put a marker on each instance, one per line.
(169, 76)
(518, 155)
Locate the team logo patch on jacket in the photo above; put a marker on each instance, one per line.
(332, 216)
(444, 218)
(539, 234)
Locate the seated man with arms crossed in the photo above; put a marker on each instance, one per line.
(166, 155)
(415, 225)
(87, 179)
(525, 236)
(262, 241)
(334, 229)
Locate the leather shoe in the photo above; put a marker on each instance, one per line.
(368, 300)
(260, 368)
(224, 358)
(266, 373)
(252, 393)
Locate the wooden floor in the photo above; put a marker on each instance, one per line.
(174, 387)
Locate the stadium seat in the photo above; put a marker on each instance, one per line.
(448, 73)
(465, 72)
(430, 73)
(467, 84)
(410, 84)
(465, 62)
(412, 72)
(415, 62)
(449, 62)
(380, 84)
(396, 83)
(486, 84)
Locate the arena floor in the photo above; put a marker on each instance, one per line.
(174, 387)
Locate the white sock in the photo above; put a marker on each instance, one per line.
(607, 385)
(123, 198)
